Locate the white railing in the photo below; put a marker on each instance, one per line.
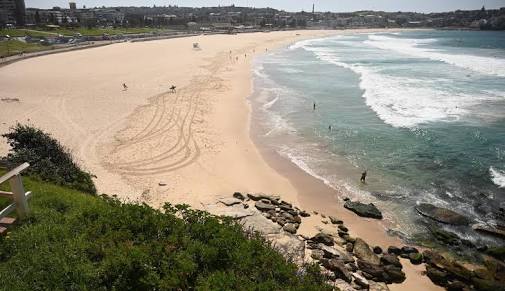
(18, 194)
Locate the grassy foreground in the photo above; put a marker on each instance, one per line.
(38, 31)
(76, 241)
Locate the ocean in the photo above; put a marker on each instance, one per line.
(422, 111)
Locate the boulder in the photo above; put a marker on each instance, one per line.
(445, 237)
(377, 286)
(364, 210)
(287, 216)
(328, 252)
(363, 252)
(487, 285)
(395, 274)
(343, 228)
(338, 268)
(377, 250)
(416, 258)
(360, 280)
(390, 259)
(230, 201)
(259, 196)
(374, 270)
(442, 215)
(238, 195)
(289, 227)
(409, 250)
(290, 246)
(343, 285)
(349, 247)
(437, 276)
(335, 220)
(490, 229)
(236, 211)
(497, 252)
(394, 250)
(260, 224)
(323, 238)
(263, 206)
(457, 286)
(304, 214)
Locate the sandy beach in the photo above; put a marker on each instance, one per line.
(153, 145)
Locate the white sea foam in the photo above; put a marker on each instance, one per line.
(412, 47)
(498, 177)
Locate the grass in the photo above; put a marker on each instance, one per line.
(14, 47)
(40, 31)
(74, 241)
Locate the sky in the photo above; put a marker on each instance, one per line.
(294, 5)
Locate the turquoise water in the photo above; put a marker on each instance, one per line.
(422, 111)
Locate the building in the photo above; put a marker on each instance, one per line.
(72, 5)
(12, 12)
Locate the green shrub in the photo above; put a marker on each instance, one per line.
(73, 241)
(48, 159)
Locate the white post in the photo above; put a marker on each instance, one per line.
(19, 196)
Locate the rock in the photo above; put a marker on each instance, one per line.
(434, 258)
(338, 268)
(343, 228)
(267, 215)
(360, 280)
(442, 215)
(436, 276)
(497, 252)
(262, 206)
(281, 221)
(246, 206)
(162, 184)
(323, 216)
(258, 196)
(483, 273)
(304, 214)
(230, 201)
(416, 258)
(363, 252)
(317, 254)
(349, 247)
(377, 250)
(352, 267)
(394, 250)
(409, 250)
(328, 275)
(297, 219)
(489, 229)
(390, 259)
(323, 238)
(395, 274)
(235, 211)
(374, 270)
(289, 227)
(324, 221)
(346, 199)
(333, 253)
(335, 220)
(287, 216)
(487, 285)
(377, 286)
(315, 212)
(289, 246)
(445, 237)
(260, 224)
(456, 286)
(343, 285)
(238, 195)
(364, 210)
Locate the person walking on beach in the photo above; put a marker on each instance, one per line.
(314, 106)
(125, 87)
(363, 177)
(329, 127)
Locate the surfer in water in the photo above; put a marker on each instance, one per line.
(363, 177)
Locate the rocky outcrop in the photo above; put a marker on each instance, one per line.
(364, 210)
(323, 238)
(230, 201)
(442, 215)
(289, 245)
